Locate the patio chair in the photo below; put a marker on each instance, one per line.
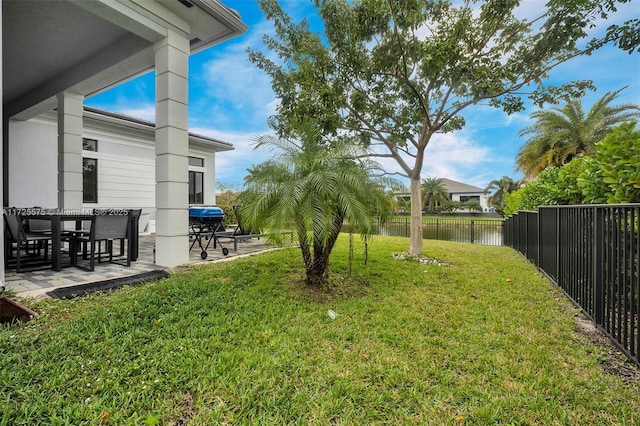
(105, 228)
(241, 233)
(241, 229)
(134, 231)
(22, 239)
(39, 226)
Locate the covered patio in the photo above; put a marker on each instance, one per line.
(57, 54)
(38, 283)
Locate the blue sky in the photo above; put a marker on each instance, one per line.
(230, 99)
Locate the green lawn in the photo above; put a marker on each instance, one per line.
(243, 342)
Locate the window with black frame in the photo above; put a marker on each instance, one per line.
(89, 172)
(196, 180)
(465, 198)
(196, 187)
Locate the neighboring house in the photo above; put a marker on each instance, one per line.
(118, 163)
(459, 191)
(462, 192)
(57, 53)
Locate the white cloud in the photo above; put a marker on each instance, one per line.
(517, 119)
(143, 112)
(236, 87)
(231, 166)
(452, 156)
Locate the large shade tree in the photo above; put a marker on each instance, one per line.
(391, 74)
(558, 135)
(311, 189)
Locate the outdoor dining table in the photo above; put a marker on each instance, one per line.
(57, 217)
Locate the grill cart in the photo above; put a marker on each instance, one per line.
(204, 222)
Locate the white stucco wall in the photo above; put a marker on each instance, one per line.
(126, 165)
(33, 165)
(484, 200)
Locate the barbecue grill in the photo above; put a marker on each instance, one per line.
(204, 222)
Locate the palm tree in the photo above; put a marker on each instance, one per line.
(312, 188)
(501, 187)
(434, 193)
(560, 134)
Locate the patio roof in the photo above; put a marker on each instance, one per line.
(123, 120)
(57, 53)
(90, 46)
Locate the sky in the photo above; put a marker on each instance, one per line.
(230, 99)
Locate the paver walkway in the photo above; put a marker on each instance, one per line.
(38, 283)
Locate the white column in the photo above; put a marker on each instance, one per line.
(70, 150)
(172, 150)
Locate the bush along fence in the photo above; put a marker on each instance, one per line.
(593, 254)
(463, 230)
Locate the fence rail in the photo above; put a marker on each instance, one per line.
(593, 254)
(474, 231)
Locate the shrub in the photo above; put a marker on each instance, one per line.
(618, 162)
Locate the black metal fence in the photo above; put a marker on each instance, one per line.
(463, 230)
(593, 254)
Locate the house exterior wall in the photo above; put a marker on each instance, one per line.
(484, 199)
(33, 170)
(126, 165)
(209, 170)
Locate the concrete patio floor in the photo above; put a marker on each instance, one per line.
(38, 283)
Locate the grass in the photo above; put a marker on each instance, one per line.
(244, 342)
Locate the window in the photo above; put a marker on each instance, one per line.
(465, 198)
(89, 145)
(89, 172)
(89, 180)
(196, 180)
(196, 187)
(196, 161)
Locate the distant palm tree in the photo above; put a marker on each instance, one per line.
(312, 187)
(434, 193)
(501, 187)
(560, 134)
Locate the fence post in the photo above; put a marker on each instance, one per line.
(558, 230)
(472, 222)
(526, 235)
(539, 248)
(598, 263)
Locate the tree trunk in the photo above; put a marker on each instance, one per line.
(318, 270)
(316, 273)
(415, 246)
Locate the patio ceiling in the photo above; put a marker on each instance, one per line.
(88, 46)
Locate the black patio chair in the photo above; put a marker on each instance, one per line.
(242, 229)
(33, 243)
(105, 228)
(241, 233)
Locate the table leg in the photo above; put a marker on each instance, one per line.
(55, 244)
